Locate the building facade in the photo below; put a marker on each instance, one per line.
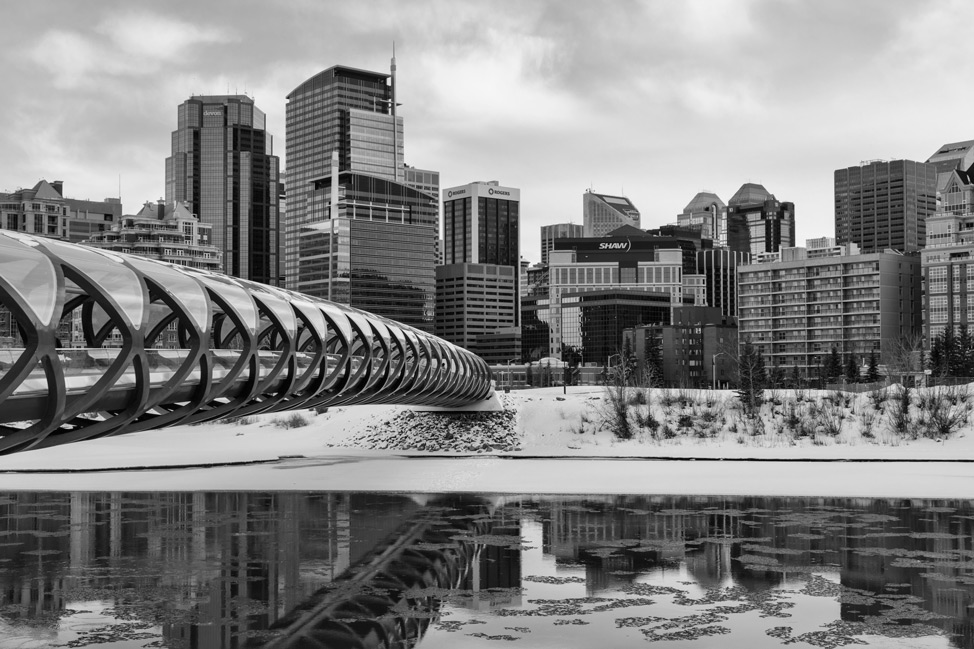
(883, 205)
(474, 301)
(44, 211)
(603, 213)
(481, 224)
(478, 289)
(167, 232)
(948, 259)
(342, 111)
(797, 309)
(951, 156)
(223, 166)
(696, 350)
(719, 268)
(757, 222)
(708, 214)
(648, 265)
(593, 322)
(370, 243)
(550, 233)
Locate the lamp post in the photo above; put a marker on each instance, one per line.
(713, 368)
(510, 376)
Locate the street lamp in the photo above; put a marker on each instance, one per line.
(713, 368)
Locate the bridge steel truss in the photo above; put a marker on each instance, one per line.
(92, 358)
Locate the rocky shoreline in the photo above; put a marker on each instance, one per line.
(466, 432)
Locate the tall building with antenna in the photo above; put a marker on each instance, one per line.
(361, 227)
(603, 213)
(223, 165)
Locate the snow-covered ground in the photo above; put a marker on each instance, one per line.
(561, 441)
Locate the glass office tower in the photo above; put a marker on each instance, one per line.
(377, 252)
(757, 222)
(341, 110)
(222, 165)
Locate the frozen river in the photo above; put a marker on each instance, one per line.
(213, 569)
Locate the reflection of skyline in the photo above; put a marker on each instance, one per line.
(211, 568)
(890, 548)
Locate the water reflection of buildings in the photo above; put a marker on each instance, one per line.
(890, 549)
(211, 568)
(218, 565)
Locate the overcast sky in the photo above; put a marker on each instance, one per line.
(656, 100)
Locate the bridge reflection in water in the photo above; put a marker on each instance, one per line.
(226, 570)
(105, 343)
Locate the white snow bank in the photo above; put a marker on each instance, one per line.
(548, 423)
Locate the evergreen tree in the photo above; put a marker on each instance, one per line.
(872, 374)
(964, 352)
(833, 366)
(851, 369)
(950, 357)
(937, 365)
(795, 379)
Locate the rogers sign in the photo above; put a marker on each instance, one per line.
(456, 192)
(499, 192)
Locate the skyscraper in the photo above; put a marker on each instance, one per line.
(883, 205)
(602, 213)
(223, 165)
(757, 222)
(480, 224)
(339, 110)
(558, 231)
(361, 226)
(707, 213)
(478, 287)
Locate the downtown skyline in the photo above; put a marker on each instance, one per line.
(656, 101)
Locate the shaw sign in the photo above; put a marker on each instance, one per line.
(624, 246)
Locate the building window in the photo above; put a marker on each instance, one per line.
(937, 279)
(938, 309)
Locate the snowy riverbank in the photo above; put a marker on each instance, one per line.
(535, 423)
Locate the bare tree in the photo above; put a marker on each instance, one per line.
(903, 357)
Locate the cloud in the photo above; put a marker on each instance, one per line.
(128, 45)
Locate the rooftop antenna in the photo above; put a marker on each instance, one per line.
(395, 122)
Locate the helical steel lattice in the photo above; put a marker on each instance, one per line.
(104, 343)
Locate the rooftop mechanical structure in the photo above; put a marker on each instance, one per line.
(108, 343)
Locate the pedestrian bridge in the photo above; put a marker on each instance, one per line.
(105, 343)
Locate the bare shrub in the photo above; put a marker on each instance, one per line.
(866, 422)
(668, 400)
(899, 419)
(878, 398)
(616, 412)
(294, 420)
(943, 411)
(830, 418)
(647, 420)
(238, 421)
